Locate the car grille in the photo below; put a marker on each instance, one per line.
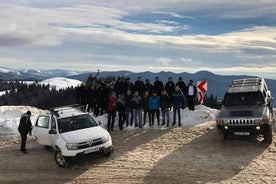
(256, 121)
(88, 144)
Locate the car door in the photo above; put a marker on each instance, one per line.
(42, 129)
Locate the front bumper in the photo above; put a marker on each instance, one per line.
(102, 148)
(244, 130)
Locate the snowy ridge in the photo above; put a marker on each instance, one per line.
(61, 82)
(3, 70)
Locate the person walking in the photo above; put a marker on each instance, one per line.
(177, 101)
(191, 96)
(25, 126)
(154, 104)
(165, 105)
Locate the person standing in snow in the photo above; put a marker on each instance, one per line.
(169, 86)
(154, 104)
(111, 111)
(145, 106)
(165, 105)
(177, 101)
(191, 96)
(120, 107)
(128, 108)
(82, 94)
(136, 104)
(158, 86)
(25, 126)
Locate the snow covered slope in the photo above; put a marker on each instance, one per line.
(61, 82)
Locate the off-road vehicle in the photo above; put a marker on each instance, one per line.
(72, 133)
(247, 110)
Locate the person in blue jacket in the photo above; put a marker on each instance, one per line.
(177, 101)
(154, 104)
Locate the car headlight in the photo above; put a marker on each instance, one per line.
(105, 138)
(71, 146)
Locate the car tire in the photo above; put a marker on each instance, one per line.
(61, 160)
(109, 152)
(268, 135)
(225, 136)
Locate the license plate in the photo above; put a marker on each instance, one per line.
(242, 133)
(91, 150)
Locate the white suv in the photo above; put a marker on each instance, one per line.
(72, 132)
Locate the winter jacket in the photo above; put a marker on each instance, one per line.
(25, 124)
(128, 100)
(111, 105)
(145, 103)
(136, 103)
(149, 87)
(177, 98)
(120, 107)
(158, 86)
(182, 87)
(154, 103)
(169, 87)
(165, 101)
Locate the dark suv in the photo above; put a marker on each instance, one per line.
(247, 109)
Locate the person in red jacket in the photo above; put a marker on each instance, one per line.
(111, 111)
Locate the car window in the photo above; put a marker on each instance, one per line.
(53, 123)
(43, 122)
(250, 98)
(76, 123)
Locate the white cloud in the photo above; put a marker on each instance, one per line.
(163, 61)
(109, 34)
(172, 14)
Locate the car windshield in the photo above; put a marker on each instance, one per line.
(252, 98)
(75, 123)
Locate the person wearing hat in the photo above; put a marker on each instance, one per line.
(191, 95)
(25, 126)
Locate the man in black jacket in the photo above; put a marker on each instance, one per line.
(191, 95)
(25, 126)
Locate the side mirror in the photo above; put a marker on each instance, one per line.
(100, 122)
(52, 131)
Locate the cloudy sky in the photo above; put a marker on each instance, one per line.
(222, 36)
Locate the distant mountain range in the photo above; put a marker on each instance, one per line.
(217, 84)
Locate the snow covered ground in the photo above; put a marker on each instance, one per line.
(10, 115)
(61, 82)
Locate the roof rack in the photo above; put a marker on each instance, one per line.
(55, 110)
(247, 85)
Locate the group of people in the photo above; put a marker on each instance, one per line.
(130, 101)
(137, 103)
